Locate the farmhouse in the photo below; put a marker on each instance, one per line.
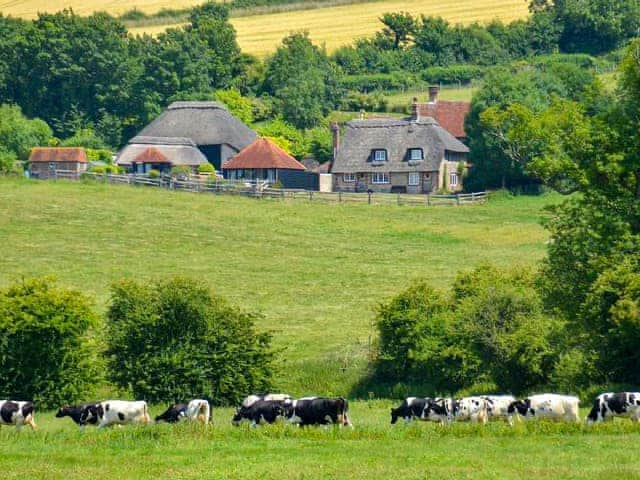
(414, 155)
(264, 160)
(210, 127)
(450, 115)
(44, 162)
(143, 154)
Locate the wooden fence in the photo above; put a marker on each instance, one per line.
(248, 189)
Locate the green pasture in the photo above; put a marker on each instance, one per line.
(372, 450)
(315, 271)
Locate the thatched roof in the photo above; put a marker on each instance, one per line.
(175, 150)
(206, 123)
(263, 153)
(396, 136)
(58, 154)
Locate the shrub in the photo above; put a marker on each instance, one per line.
(181, 171)
(153, 173)
(47, 351)
(174, 339)
(453, 74)
(8, 160)
(206, 168)
(100, 169)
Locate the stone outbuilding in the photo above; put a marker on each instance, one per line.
(47, 162)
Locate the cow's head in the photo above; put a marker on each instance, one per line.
(237, 417)
(519, 406)
(394, 415)
(90, 412)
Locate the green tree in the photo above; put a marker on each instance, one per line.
(18, 134)
(398, 27)
(174, 339)
(47, 343)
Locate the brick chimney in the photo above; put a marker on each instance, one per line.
(335, 130)
(415, 110)
(433, 93)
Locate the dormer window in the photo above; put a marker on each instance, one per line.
(379, 156)
(415, 155)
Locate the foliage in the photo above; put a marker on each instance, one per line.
(286, 136)
(7, 160)
(398, 27)
(99, 155)
(238, 105)
(47, 348)
(206, 168)
(173, 339)
(18, 134)
(153, 173)
(86, 138)
(181, 171)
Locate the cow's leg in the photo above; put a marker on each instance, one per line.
(31, 422)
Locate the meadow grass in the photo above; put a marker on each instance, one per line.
(373, 450)
(314, 271)
(404, 99)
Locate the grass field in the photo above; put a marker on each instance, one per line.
(316, 271)
(372, 450)
(260, 34)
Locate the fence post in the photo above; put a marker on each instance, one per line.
(369, 194)
(457, 199)
(428, 200)
(398, 199)
(340, 197)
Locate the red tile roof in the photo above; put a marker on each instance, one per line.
(151, 155)
(450, 115)
(58, 154)
(263, 154)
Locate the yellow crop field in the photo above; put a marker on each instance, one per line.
(332, 26)
(336, 26)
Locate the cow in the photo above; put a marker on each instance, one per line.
(196, 410)
(411, 408)
(260, 411)
(318, 411)
(117, 412)
(498, 405)
(275, 397)
(472, 409)
(75, 413)
(438, 410)
(606, 406)
(547, 405)
(17, 413)
(173, 414)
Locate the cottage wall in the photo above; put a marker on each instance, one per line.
(446, 169)
(428, 183)
(47, 169)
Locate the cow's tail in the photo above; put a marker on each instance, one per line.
(343, 412)
(204, 412)
(145, 414)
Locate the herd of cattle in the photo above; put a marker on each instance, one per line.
(268, 408)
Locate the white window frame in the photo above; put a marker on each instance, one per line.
(379, 155)
(417, 151)
(416, 176)
(348, 177)
(453, 179)
(375, 179)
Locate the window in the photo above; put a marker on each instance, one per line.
(414, 178)
(454, 156)
(379, 177)
(349, 177)
(379, 156)
(453, 179)
(415, 154)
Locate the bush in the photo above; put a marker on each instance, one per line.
(174, 340)
(8, 160)
(47, 351)
(453, 74)
(181, 171)
(206, 168)
(153, 173)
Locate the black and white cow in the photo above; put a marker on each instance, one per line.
(173, 414)
(17, 413)
(498, 406)
(438, 410)
(260, 411)
(270, 397)
(411, 408)
(117, 412)
(606, 406)
(197, 410)
(471, 409)
(75, 413)
(547, 405)
(319, 411)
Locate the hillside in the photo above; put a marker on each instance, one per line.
(333, 26)
(315, 271)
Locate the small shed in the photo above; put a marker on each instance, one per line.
(264, 160)
(46, 162)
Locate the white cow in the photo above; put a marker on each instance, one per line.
(609, 405)
(547, 405)
(118, 412)
(498, 406)
(438, 410)
(471, 409)
(17, 413)
(198, 411)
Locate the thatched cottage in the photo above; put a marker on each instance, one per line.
(413, 155)
(143, 154)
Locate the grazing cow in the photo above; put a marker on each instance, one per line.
(438, 410)
(547, 405)
(412, 407)
(173, 414)
(270, 397)
(117, 412)
(318, 411)
(75, 413)
(260, 411)
(609, 405)
(472, 409)
(498, 406)
(17, 413)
